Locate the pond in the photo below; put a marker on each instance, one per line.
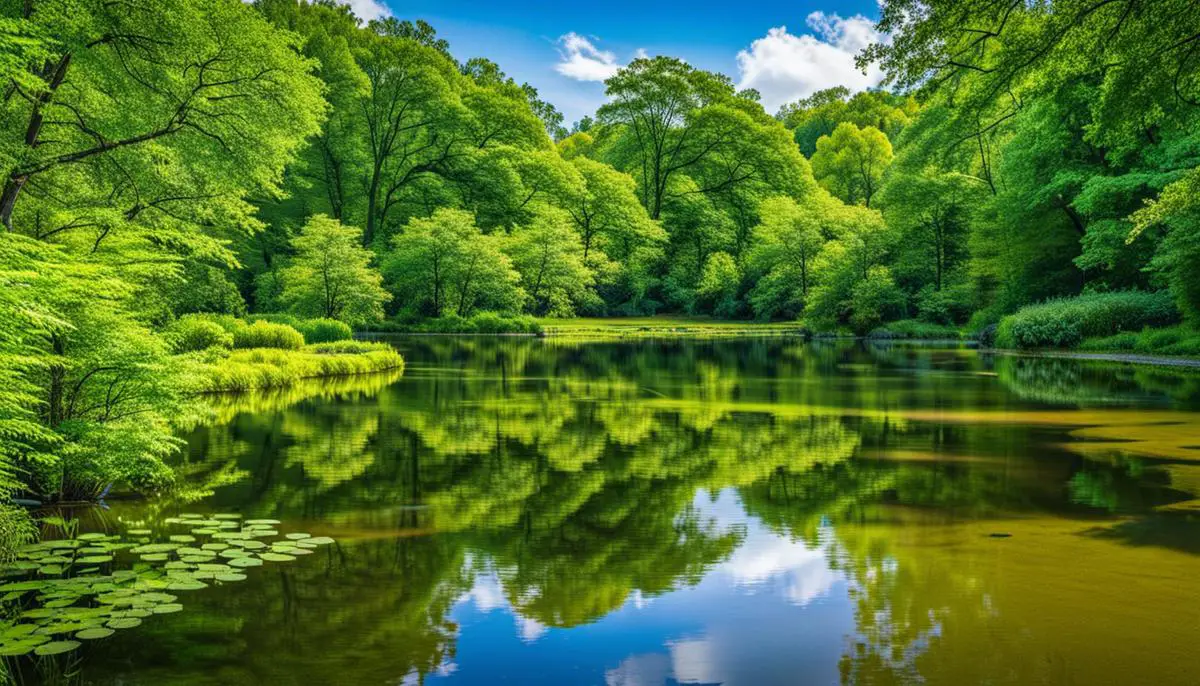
(753, 511)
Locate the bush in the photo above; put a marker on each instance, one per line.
(875, 299)
(483, 322)
(263, 334)
(1176, 340)
(1064, 323)
(278, 318)
(323, 330)
(951, 305)
(193, 334)
(912, 328)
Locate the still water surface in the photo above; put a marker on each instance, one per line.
(688, 512)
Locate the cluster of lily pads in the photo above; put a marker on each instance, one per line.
(62, 592)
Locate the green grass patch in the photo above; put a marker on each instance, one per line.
(259, 368)
(666, 326)
(1066, 322)
(481, 323)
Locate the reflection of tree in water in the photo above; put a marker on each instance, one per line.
(562, 466)
(374, 609)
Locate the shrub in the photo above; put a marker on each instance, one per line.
(323, 330)
(1064, 323)
(277, 318)
(262, 334)
(912, 328)
(192, 334)
(875, 299)
(1176, 340)
(483, 322)
(951, 305)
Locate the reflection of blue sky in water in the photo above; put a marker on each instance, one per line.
(729, 629)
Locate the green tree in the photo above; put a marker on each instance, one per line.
(548, 255)
(445, 265)
(786, 244)
(850, 163)
(331, 274)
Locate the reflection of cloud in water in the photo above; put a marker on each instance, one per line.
(487, 594)
(769, 562)
(651, 669)
(766, 561)
(694, 660)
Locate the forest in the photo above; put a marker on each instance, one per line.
(204, 195)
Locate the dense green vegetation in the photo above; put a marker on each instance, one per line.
(225, 158)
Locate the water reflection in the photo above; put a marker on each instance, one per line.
(703, 512)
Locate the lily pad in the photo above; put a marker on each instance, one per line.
(167, 608)
(56, 647)
(94, 633)
(245, 562)
(277, 557)
(124, 623)
(297, 536)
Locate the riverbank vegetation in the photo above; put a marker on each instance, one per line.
(164, 174)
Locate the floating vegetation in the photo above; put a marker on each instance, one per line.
(58, 594)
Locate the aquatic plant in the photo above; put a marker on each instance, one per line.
(63, 592)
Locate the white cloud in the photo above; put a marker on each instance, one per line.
(583, 61)
(369, 9)
(783, 66)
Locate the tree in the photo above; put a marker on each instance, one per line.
(657, 101)
(719, 284)
(850, 163)
(445, 264)
(786, 243)
(549, 257)
(149, 120)
(331, 275)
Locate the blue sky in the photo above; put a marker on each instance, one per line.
(566, 48)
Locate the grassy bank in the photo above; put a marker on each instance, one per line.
(650, 327)
(259, 368)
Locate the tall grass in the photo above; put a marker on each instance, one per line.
(263, 334)
(323, 330)
(245, 370)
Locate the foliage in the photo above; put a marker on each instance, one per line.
(1064, 323)
(195, 334)
(330, 275)
(548, 255)
(1176, 340)
(258, 368)
(851, 161)
(445, 265)
(323, 330)
(916, 329)
(478, 323)
(263, 334)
